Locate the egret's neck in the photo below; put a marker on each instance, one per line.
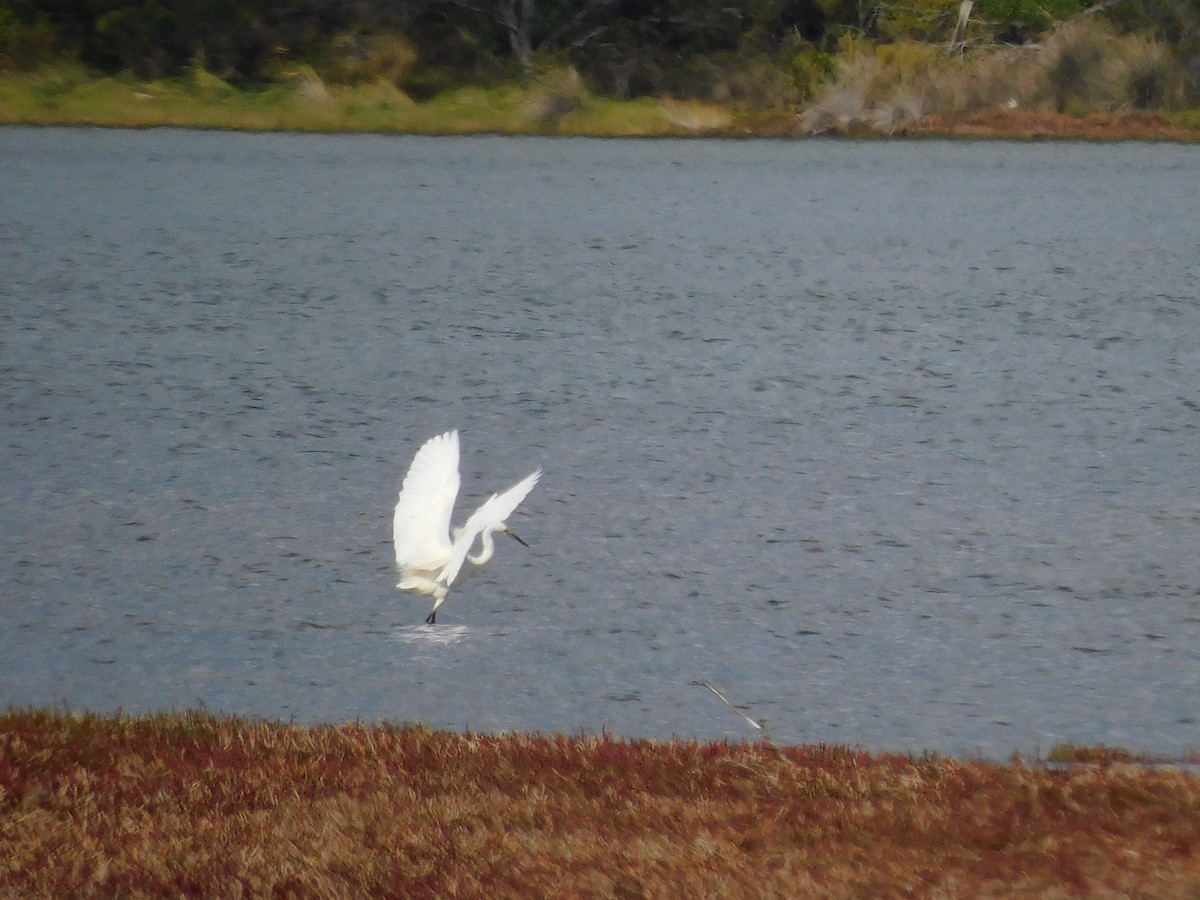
(486, 551)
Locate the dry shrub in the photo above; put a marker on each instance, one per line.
(1082, 68)
(890, 88)
(836, 108)
(877, 89)
(985, 79)
(694, 117)
(753, 83)
(554, 93)
(1073, 64)
(1086, 68)
(905, 109)
(1152, 81)
(353, 58)
(305, 84)
(745, 81)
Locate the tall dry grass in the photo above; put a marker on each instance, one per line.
(1087, 68)
(195, 805)
(1082, 68)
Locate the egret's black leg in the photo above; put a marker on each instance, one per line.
(431, 619)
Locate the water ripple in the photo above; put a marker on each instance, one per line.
(897, 468)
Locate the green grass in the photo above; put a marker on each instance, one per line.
(69, 96)
(1185, 119)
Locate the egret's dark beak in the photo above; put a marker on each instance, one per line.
(516, 537)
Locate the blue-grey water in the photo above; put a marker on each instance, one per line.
(895, 443)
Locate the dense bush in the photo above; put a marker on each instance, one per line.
(759, 54)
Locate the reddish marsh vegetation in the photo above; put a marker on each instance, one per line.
(203, 806)
(1022, 124)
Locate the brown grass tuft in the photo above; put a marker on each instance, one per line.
(199, 805)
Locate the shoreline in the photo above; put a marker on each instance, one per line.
(71, 98)
(1025, 125)
(995, 126)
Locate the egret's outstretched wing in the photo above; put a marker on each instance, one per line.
(492, 514)
(421, 527)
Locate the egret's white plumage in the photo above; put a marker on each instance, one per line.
(429, 556)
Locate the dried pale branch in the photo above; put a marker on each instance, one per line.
(725, 700)
(760, 725)
(958, 43)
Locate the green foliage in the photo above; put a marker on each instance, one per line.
(135, 37)
(1188, 118)
(1021, 18)
(920, 20)
(809, 68)
(26, 45)
(755, 55)
(1173, 21)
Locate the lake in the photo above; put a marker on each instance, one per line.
(894, 442)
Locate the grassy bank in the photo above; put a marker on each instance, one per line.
(206, 806)
(554, 104)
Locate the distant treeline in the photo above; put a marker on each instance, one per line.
(718, 49)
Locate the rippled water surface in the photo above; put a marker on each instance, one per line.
(893, 442)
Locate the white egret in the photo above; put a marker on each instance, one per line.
(428, 554)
